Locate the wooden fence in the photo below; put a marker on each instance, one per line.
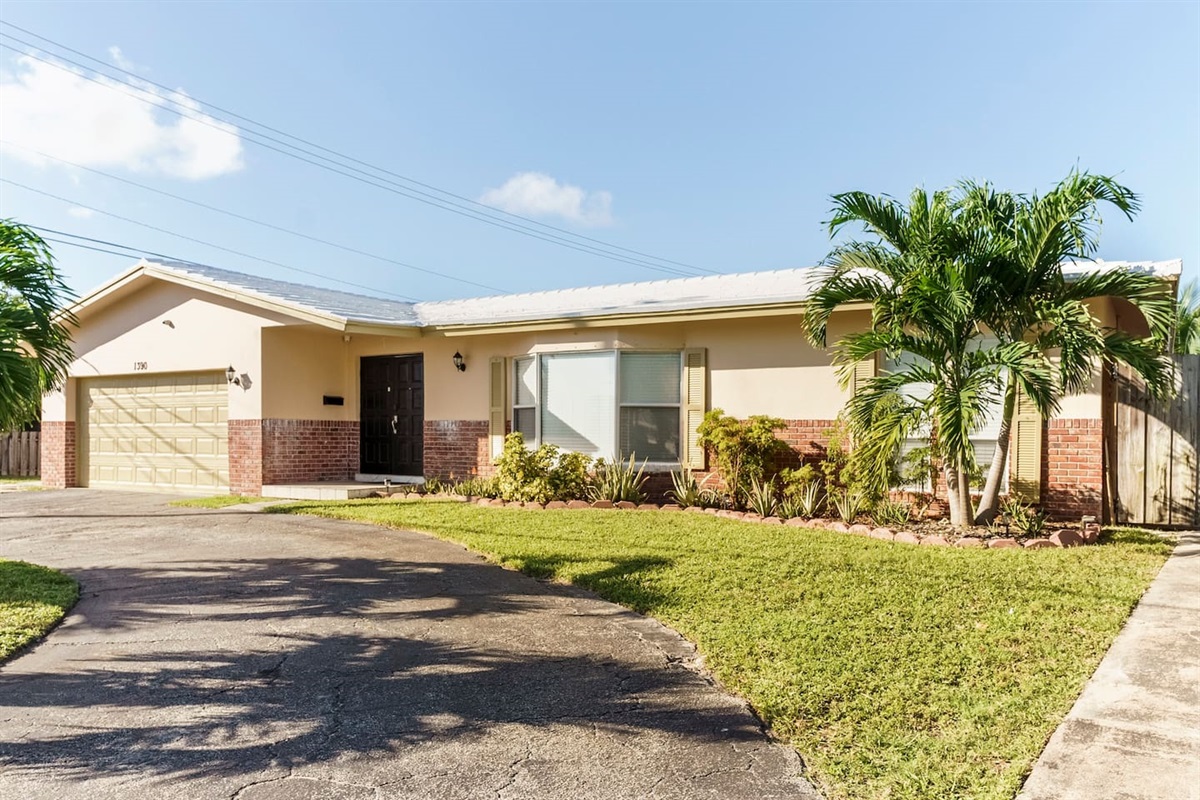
(19, 454)
(1154, 471)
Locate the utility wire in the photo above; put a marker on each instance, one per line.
(341, 168)
(281, 265)
(252, 220)
(407, 179)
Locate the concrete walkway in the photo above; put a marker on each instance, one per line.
(1135, 730)
(233, 654)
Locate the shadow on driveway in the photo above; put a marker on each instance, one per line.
(328, 659)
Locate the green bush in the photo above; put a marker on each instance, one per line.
(743, 450)
(848, 504)
(685, 490)
(477, 487)
(540, 475)
(618, 481)
(761, 497)
(1025, 519)
(891, 513)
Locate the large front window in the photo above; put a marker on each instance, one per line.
(604, 404)
(983, 439)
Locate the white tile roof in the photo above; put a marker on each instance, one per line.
(648, 297)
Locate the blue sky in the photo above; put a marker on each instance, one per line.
(711, 134)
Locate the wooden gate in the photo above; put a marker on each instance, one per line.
(19, 454)
(1154, 471)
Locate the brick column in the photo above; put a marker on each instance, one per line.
(1073, 468)
(58, 456)
(458, 447)
(245, 456)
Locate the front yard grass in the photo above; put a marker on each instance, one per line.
(897, 671)
(32, 601)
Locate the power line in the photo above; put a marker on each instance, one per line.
(337, 168)
(343, 156)
(362, 176)
(254, 221)
(281, 265)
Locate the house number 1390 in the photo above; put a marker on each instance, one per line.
(139, 366)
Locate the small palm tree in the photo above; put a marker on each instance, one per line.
(1032, 238)
(35, 343)
(1186, 325)
(929, 280)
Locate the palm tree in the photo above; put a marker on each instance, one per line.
(1186, 329)
(929, 280)
(1032, 238)
(35, 344)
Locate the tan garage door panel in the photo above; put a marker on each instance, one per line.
(157, 432)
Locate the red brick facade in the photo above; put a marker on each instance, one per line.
(307, 450)
(458, 447)
(806, 440)
(1073, 468)
(245, 456)
(58, 455)
(275, 451)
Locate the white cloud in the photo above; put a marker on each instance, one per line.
(79, 212)
(63, 114)
(119, 58)
(538, 195)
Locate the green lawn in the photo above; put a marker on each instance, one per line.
(897, 671)
(32, 600)
(217, 501)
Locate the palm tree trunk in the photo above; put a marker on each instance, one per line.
(989, 502)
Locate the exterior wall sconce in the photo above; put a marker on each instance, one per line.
(231, 376)
(460, 363)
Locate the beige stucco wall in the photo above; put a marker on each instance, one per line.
(207, 333)
(757, 365)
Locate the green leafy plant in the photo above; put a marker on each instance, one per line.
(891, 513)
(539, 475)
(435, 485)
(710, 498)
(800, 493)
(685, 490)
(618, 481)
(761, 497)
(1025, 519)
(743, 450)
(476, 487)
(848, 504)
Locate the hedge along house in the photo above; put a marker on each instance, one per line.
(191, 378)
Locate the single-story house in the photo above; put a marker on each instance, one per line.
(192, 378)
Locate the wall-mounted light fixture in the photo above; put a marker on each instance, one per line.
(460, 363)
(230, 374)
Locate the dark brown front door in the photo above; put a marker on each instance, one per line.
(392, 416)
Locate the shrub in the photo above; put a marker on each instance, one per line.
(761, 497)
(618, 481)
(891, 513)
(743, 450)
(476, 487)
(540, 475)
(1025, 519)
(848, 503)
(685, 490)
(434, 486)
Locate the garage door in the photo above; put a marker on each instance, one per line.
(155, 432)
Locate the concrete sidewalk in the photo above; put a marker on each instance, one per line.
(1135, 730)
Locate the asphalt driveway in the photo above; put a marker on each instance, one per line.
(231, 654)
